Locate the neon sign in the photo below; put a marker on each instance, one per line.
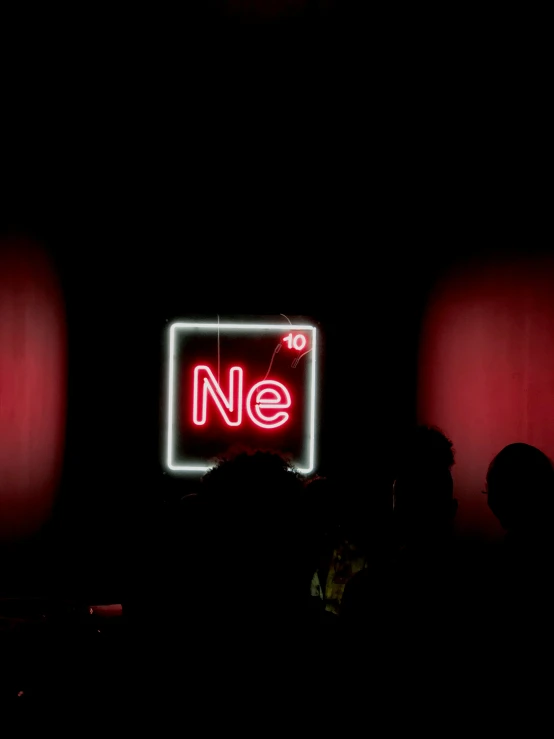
(295, 341)
(230, 384)
(231, 409)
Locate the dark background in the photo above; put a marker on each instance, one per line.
(322, 162)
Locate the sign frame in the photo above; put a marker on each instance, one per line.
(177, 329)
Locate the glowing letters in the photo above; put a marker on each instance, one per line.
(264, 395)
(211, 385)
(297, 342)
(277, 399)
(213, 405)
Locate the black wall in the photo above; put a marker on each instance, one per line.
(191, 168)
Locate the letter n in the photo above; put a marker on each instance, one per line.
(205, 385)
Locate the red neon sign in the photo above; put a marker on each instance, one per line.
(263, 396)
(240, 385)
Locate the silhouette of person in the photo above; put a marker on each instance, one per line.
(405, 600)
(516, 602)
(320, 519)
(520, 490)
(520, 493)
(239, 601)
(253, 611)
(255, 569)
(335, 555)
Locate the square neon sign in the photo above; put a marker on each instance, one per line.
(240, 385)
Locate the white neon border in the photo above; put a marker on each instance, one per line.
(236, 326)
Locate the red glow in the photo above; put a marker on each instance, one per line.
(225, 405)
(486, 371)
(32, 388)
(276, 400)
(269, 395)
(295, 341)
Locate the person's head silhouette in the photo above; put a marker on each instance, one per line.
(520, 488)
(253, 527)
(423, 489)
